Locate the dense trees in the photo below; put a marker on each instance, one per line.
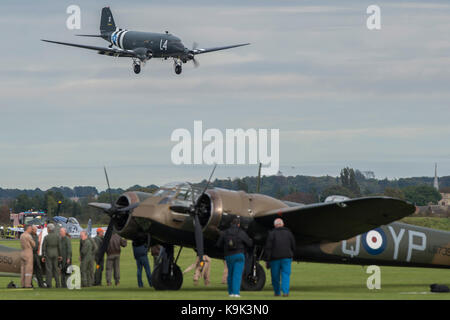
(304, 189)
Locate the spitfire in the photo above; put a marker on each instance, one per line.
(143, 46)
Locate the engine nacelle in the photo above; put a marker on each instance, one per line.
(126, 225)
(221, 206)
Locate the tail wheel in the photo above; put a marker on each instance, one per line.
(171, 281)
(137, 68)
(254, 281)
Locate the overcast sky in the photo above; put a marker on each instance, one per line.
(340, 95)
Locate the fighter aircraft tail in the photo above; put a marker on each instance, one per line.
(107, 23)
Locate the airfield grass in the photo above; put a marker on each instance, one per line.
(308, 281)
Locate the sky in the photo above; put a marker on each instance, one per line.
(340, 94)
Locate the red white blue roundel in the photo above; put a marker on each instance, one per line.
(374, 241)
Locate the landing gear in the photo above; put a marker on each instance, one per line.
(167, 274)
(136, 65)
(137, 68)
(178, 66)
(254, 276)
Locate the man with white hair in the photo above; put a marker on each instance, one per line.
(51, 254)
(280, 248)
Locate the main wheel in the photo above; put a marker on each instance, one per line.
(137, 68)
(171, 281)
(254, 283)
(178, 69)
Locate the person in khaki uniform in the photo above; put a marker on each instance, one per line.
(201, 271)
(86, 260)
(51, 254)
(66, 254)
(37, 269)
(113, 258)
(26, 270)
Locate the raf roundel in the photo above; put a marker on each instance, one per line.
(374, 241)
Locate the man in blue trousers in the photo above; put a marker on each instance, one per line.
(234, 241)
(280, 248)
(140, 251)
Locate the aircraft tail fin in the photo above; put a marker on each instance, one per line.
(107, 23)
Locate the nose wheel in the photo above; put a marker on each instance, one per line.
(136, 68)
(178, 66)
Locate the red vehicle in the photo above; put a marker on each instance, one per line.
(28, 217)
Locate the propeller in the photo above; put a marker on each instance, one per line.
(114, 212)
(195, 211)
(192, 55)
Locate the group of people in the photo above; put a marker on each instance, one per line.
(49, 254)
(53, 252)
(279, 251)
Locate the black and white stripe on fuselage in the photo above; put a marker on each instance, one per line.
(117, 38)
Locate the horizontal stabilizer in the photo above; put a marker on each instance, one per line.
(89, 35)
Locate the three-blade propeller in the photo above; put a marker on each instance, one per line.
(195, 210)
(114, 212)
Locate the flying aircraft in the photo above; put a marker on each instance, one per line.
(143, 46)
(353, 231)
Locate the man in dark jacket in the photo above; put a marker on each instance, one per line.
(234, 241)
(86, 259)
(140, 251)
(99, 267)
(66, 254)
(51, 253)
(37, 270)
(280, 248)
(113, 258)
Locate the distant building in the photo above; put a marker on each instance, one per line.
(445, 201)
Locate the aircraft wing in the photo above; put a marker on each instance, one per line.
(100, 50)
(200, 51)
(336, 221)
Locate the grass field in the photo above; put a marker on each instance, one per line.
(309, 281)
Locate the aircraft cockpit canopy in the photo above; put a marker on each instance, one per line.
(178, 193)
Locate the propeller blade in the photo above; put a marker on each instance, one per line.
(102, 206)
(196, 63)
(209, 181)
(194, 45)
(198, 238)
(105, 243)
(109, 188)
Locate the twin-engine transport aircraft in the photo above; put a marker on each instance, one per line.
(353, 231)
(142, 46)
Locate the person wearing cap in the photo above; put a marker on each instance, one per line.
(66, 254)
(234, 241)
(26, 269)
(113, 258)
(280, 249)
(101, 260)
(51, 254)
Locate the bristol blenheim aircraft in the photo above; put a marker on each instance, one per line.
(143, 46)
(353, 231)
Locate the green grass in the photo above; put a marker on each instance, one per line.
(429, 222)
(308, 281)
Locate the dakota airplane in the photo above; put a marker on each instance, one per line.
(143, 46)
(341, 230)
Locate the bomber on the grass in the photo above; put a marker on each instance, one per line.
(340, 230)
(143, 46)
